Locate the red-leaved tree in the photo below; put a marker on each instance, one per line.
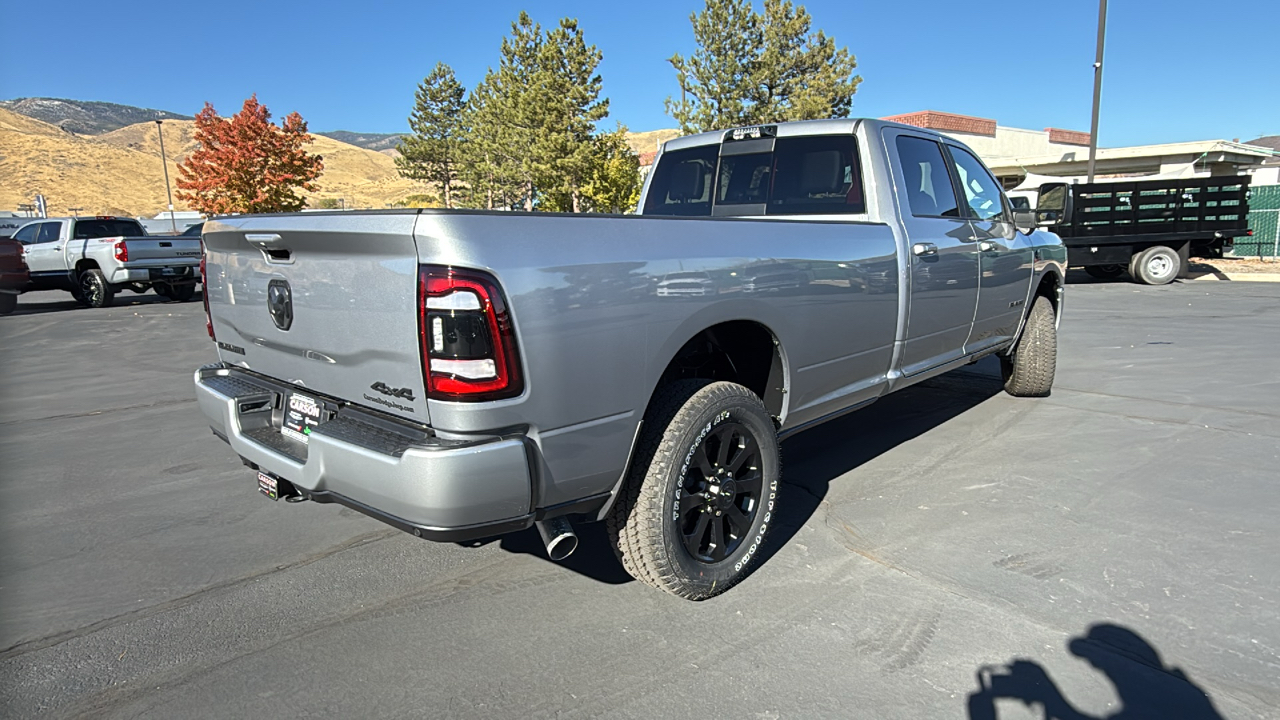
(247, 164)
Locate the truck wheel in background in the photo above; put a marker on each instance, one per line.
(162, 289)
(95, 291)
(1105, 272)
(1028, 370)
(181, 293)
(1157, 265)
(8, 303)
(700, 495)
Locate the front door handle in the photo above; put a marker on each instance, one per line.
(986, 246)
(924, 249)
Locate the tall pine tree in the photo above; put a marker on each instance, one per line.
(569, 105)
(434, 151)
(753, 68)
(530, 125)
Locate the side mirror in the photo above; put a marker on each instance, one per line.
(1025, 221)
(1047, 217)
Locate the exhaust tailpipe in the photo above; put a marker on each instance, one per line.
(559, 537)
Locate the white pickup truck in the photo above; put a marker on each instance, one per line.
(93, 258)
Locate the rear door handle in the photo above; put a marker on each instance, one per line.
(923, 249)
(986, 246)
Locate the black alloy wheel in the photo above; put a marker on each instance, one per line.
(720, 493)
(95, 291)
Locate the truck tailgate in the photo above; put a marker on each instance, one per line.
(325, 301)
(153, 251)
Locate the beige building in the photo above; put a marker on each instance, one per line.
(1023, 159)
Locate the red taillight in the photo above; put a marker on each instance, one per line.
(468, 340)
(122, 251)
(204, 294)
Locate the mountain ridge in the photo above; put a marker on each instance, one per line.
(119, 172)
(96, 118)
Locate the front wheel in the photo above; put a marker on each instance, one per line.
(1157, 265)
(95, 291)
(1028, 370)
(699, 500)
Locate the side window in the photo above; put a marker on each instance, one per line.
(682, 182)
(981, 191)
(817, 175)
(928, 189)
(27, 235)
(49, 232)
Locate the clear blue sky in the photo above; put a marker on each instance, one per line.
(1175, 69)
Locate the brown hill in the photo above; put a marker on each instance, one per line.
(648, 141)
(119, 172)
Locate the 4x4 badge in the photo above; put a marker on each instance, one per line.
(403, 393)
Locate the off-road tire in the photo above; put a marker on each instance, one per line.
(1157, 265)
(95, 291)
(643, 523)
(182, 293)
(8, 303)
(162, 289)
(1028, 370)
(1105, 272)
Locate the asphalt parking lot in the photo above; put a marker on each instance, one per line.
(950, 552)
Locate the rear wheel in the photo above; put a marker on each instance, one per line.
(8, 303)
(1105, 272)
(1028, 370)
(162, 289)
(1157, 265)
(700, 497)
(95, 291)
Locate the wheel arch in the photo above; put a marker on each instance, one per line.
(746, 352)
(757, 360)
(1050, 284)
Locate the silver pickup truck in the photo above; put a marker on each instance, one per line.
(93, 258)
(466, 374)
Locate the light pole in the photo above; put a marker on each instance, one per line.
(75, 212)
(165, 164)
(1097, 85)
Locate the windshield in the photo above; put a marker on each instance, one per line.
(109, 227)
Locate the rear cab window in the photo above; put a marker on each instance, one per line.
(807, 175)
(92, 229)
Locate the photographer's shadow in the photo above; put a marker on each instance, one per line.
(1147, 688)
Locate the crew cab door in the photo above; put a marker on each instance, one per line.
(943, 284)
(45, 257)
(1004, 255)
